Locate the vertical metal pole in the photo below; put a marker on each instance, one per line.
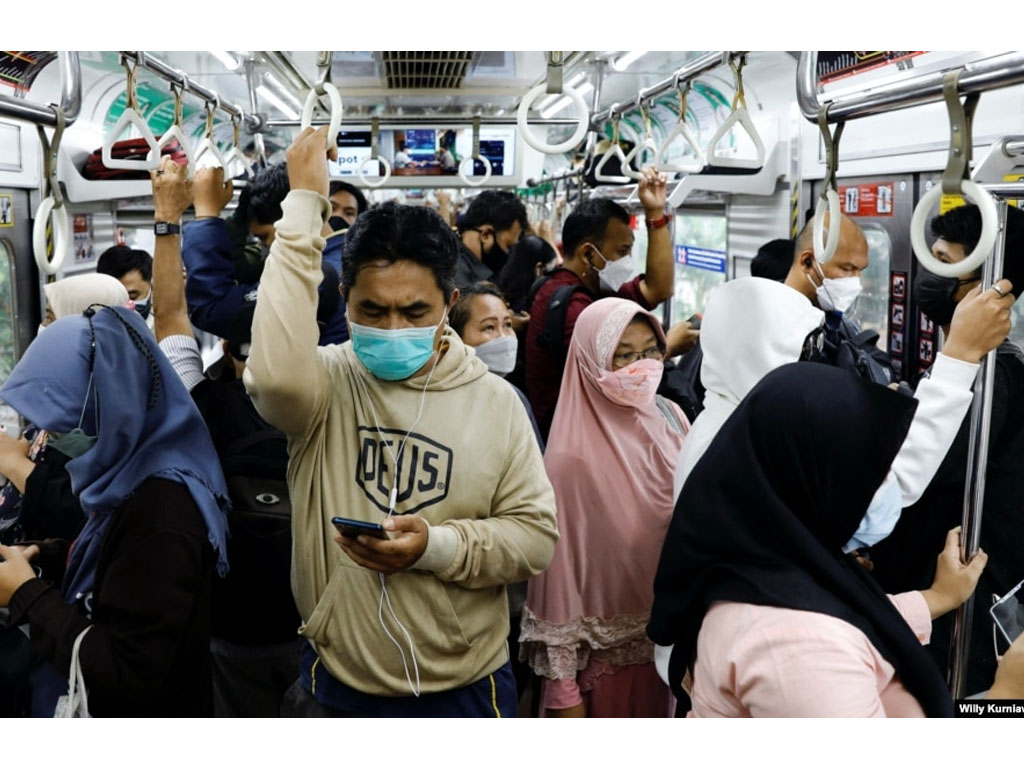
(977, 462)
(250, 80)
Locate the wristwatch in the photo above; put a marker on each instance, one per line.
(166, 228)
(658, 223)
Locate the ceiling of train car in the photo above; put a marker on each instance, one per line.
(432, 82)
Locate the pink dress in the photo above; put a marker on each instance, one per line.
(760, 661)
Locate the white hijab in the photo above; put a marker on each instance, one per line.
(72, 295)
(751, 326)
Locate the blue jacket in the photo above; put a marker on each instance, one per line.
(214, 295)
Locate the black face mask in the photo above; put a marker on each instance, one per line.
(935, 295)
(495, 258)
(336, 223)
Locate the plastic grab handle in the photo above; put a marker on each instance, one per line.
(582, 115)
(646, 145)
(694, 165)
(174, 132)
(336, 110)
(613, 151)
(61, 236)
(207, 146)
(825, 253)
(742, 117)
(237, 156)
(366, 179)
(989, 229)
(152, 161)
(474, 182)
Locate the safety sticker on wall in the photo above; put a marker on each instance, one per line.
(866, 200)
(6, 211)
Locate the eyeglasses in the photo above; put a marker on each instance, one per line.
(628, 358)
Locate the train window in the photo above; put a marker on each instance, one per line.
(694, 283)
(871, 311)
(8, 418)
(1017, 318)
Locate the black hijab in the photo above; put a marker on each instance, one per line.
(764, 515)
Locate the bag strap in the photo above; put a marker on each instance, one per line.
(670, 414)
(75, 678)
(554, 322)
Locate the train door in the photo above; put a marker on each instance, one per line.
(882, 206)
(19, 289)
(701, 261)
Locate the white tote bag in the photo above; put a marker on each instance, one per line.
(76, 702)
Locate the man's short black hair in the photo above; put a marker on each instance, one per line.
(773, 260)
(962, 226)
(460, 313)
(119, 260)
(260, 201)
(344, 186)
(391, 232)
(499, 209)
(588, 222)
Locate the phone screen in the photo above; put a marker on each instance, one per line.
(1008, 614)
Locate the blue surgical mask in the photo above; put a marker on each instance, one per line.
(880, 519)
(393, 355)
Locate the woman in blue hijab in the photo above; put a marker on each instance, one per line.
(139, 575)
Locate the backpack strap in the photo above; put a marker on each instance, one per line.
(554, 322)
(665, 406)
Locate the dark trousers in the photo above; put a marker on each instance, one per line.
(252, 681)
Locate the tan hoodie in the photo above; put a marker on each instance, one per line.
(471, 469)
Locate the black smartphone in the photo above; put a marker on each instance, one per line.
(694, 322)
(1008, 614)
(352, 528)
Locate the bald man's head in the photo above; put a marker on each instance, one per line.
(851, 258)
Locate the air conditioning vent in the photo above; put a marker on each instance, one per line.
(418, 70)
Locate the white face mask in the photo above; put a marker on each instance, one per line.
(836, 294)
(499, 355)
(615, 273)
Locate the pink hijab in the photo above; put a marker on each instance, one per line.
(611, 467)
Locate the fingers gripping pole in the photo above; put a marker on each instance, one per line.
(375, 158)
(475, 182)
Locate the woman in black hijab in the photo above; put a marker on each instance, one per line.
(762, 521)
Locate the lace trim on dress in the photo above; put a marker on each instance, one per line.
(561, 651)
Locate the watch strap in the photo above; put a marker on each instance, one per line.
(166, 228)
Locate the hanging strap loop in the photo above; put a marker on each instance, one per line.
(961, 119)
(476, 182)
(50, 149)
(825, 245)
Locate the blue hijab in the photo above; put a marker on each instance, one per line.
(143, 417)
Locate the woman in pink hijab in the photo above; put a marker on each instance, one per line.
(610, 457)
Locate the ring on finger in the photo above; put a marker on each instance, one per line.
(999, 290)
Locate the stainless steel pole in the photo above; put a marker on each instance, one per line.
(977, 463)
(44, 114)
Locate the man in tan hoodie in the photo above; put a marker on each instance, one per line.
(400, 426)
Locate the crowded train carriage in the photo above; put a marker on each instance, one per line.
(624, 384)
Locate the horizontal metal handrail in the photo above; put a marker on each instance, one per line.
(171, 75)
(979, 76)
(384, 120)
(46, 114)
(694, 69)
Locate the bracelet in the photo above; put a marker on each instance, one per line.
(658, 223)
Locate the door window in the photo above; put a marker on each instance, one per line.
(697, 230)
(871, 310)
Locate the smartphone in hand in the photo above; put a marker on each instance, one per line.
(352, 528)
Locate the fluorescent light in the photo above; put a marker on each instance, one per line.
(281, 91)
(227, 59)
(623, 62)
(565, 101)
(277, 101)
(575, 80)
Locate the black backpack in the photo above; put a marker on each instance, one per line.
(861, 355)
(253, 605)
(551, 337)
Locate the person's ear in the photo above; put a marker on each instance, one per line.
(452, 301)
(538, 269)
